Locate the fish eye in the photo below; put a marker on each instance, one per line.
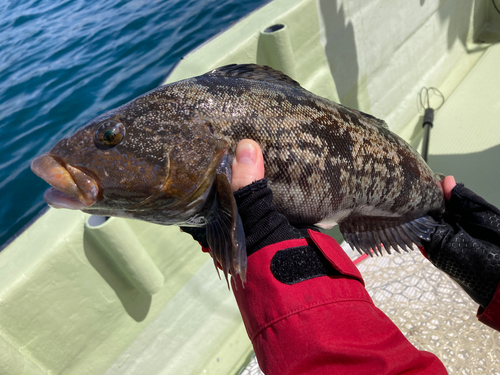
(109, 134)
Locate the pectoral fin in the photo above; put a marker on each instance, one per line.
(225, 234)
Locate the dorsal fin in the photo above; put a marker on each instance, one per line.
(377, 121)
(382, 123)
(253, 71)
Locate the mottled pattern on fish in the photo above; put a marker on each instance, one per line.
(326, 163)
(323, 161)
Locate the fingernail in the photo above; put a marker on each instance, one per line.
(245, 153)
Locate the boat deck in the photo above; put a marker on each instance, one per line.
(465, 140)
(68, 306)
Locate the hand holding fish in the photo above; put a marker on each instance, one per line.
(302, 291)
(247, 179)
(467, 244)
(472, 259)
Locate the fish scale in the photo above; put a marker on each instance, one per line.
(326, 164)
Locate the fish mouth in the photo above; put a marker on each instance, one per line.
(71, 187)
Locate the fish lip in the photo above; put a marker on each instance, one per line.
(57, 199)
(71, 187)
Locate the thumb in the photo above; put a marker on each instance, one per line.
(248, 166)
(448, 185)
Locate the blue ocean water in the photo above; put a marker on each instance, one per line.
(63, 62)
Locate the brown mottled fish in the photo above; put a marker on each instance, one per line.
(165, 158)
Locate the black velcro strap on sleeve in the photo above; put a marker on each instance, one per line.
(297, 264)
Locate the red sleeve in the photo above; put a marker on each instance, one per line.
(323, 325)
(491, 314)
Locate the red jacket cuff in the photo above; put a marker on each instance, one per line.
(491, 315)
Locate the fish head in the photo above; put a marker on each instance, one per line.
(144, 161)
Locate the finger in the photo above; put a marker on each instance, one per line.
(448, 185)
(248, 166)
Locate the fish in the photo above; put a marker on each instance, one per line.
(165, 157)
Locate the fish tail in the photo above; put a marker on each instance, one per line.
(369, 235)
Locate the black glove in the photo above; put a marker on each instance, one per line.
(467, 245)
(198, 233)
(264, 226)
